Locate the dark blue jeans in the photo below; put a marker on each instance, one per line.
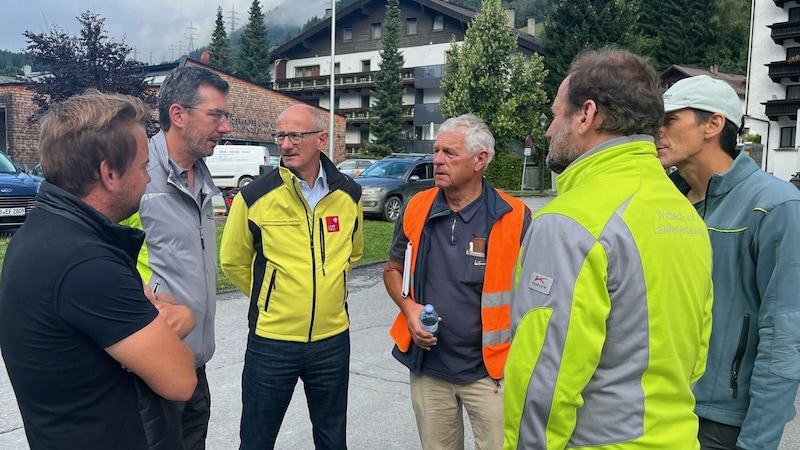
(195, 414)
(271, 370)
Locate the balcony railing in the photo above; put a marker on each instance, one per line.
(782, 69)
(429, 76)
(783, 31)
(362, 115)
(358, 80)
(774, 109)
(426, 113)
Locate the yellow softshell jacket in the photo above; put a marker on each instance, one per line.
(612, 314)
(291, 261)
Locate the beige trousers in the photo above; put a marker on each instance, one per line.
(438, 408)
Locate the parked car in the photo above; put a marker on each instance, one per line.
(389, 183)
(354, 167)
(17, 193)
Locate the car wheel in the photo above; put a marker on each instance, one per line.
(391, 209)
(244, 181)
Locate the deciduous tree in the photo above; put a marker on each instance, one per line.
(488, 77)
(77, 63)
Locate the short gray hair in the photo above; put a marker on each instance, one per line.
(476, 134)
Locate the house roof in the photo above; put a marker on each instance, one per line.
(679, 71)
(10, 80)
(458, 12)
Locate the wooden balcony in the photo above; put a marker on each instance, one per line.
(775, 109)
(779, 70)
(342, 82)
(362, 115)
(784, 31)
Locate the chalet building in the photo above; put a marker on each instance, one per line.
(677, 72)
(302, 66)
(772, 97)
(254, 111)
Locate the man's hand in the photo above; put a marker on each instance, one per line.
(424, 339)
(179, 317)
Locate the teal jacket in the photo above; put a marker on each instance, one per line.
(612, 314)
(753, 366)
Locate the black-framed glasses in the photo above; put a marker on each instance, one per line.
(216, 114)
(295, 137)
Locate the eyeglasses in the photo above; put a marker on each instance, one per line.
(295, 137)
(216, 114)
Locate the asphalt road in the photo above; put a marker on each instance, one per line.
(379, 413)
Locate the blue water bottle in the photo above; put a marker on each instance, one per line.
(429, 319)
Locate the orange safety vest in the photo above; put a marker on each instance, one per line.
(503, 249)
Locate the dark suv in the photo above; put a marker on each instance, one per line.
(389, 183)
(17, 193)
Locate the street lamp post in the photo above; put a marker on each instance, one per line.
(526, 153)
(543, 123)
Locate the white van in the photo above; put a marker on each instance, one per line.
(237, 165)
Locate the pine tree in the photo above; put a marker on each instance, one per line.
(486, 76)
(253, 60)
(682, 28)
(218, 50)
(574, 25)
(387, 110)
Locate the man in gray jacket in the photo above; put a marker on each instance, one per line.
(179, 254)
(746, 396)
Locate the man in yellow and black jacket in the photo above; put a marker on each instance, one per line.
(290, 241)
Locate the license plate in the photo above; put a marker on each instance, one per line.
(6, 212)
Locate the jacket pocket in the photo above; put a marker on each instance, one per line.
(737, 358)
(270, 289)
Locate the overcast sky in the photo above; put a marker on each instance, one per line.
(158, 29)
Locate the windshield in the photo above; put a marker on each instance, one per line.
(387, 169)
(6, 166)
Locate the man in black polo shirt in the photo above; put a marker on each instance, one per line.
(92, 359)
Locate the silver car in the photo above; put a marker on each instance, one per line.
(389, 183)
(354, 167)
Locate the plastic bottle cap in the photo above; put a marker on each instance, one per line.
(428, 308)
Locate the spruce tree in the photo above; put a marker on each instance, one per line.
(574, 25)
(486, 76)
(218, 50)
(387, 111)
(252, 62)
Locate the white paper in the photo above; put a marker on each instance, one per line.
(407, 271)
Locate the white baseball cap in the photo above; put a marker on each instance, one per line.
(707, 94)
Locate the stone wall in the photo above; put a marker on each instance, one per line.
(255, 110)
(21, 137)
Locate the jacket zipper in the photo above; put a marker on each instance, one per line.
(310, 227)
(322, 244)
(737, 359)
(270, 289)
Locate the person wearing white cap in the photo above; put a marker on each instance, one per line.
(747, 393)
